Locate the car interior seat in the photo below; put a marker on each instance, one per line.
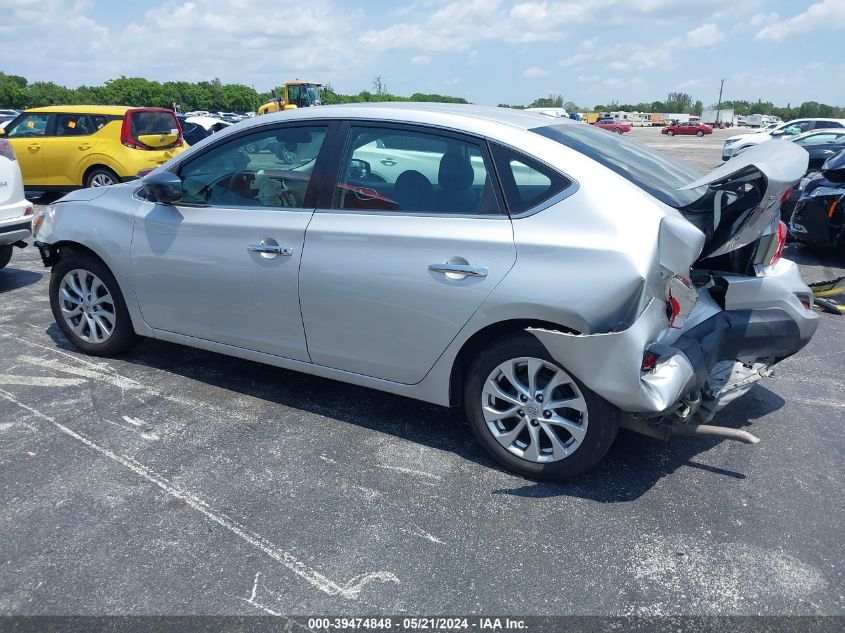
(413, 191)
(455, 178)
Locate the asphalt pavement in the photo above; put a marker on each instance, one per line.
(178, 481)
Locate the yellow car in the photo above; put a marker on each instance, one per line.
(65, 147)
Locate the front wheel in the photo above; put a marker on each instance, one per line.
(5, 256)
(532, 416)
(89, 307)
(699, 134)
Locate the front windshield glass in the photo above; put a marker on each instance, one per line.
(652, 171)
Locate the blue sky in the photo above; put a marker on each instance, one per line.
(488, 51)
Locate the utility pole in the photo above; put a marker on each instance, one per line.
(719, 106)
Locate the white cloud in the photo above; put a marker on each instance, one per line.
(824, 15)
(196, 40)
(827, 14)
(535, 72)
(704, 35)
(421, 60)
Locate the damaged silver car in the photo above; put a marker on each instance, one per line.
(556, 281)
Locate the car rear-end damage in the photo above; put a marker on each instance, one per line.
(712, 316)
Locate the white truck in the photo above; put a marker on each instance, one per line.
(714, 116)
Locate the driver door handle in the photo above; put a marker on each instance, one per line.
(459, 269)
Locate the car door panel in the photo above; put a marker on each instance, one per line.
(369, 301)
(28, 135)
(194, 274)
(223, 265)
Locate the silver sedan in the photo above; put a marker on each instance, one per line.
(555, 280)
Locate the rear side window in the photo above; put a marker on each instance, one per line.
(525, 182)
(145, 125)
(79, 124)
(650, 170)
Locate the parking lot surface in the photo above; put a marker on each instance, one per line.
(177, 481)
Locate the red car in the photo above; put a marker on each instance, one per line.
(699, 129)
(614, 125)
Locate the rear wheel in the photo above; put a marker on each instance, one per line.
(101, 177)
(670, 132)
(616, 130)
(5, 255)
(699, 133)
(532, 416)
(89, 307)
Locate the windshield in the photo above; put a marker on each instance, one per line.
(652, 171)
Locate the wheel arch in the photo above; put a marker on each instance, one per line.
(484, 337)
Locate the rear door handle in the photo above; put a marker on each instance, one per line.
(466, 270)
(269, 249)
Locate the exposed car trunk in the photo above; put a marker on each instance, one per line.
(740, 211)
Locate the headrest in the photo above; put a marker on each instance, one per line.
(456, 173)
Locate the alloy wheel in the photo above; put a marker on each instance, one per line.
(534, 409)
(101, 179)
(87, 306)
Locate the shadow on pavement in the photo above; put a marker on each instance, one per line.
(634, 464)
(15, 278)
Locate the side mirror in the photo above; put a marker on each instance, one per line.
(164, 187)
(776, 133)
(359, 169)
(2, 131)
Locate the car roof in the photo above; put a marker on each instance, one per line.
(472, 118)
(839, 131)
(88, 109)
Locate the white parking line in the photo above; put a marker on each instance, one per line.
(349, 590)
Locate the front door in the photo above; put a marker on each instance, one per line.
(27, 134)
(413, 241)
(223, 265)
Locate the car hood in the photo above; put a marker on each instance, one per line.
(743, 200)
(755, 136)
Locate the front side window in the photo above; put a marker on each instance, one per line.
(415, 172)
(29, 125)
(270, 168)
(526, 182)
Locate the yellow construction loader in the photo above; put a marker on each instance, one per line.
(294, 94)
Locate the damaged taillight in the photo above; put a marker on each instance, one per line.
(681, 297)
(782, 232)
(786, 195)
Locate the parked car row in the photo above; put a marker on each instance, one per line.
(739, 143)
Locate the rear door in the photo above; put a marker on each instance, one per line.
(73, 138)
(28, 134)
(223, 264)
(396, 263)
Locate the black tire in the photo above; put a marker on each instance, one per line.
(616, 130)
(5, 255)
(100, 175)
(123, 335)
(699, 134)
(670, 132)
(603, 417)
